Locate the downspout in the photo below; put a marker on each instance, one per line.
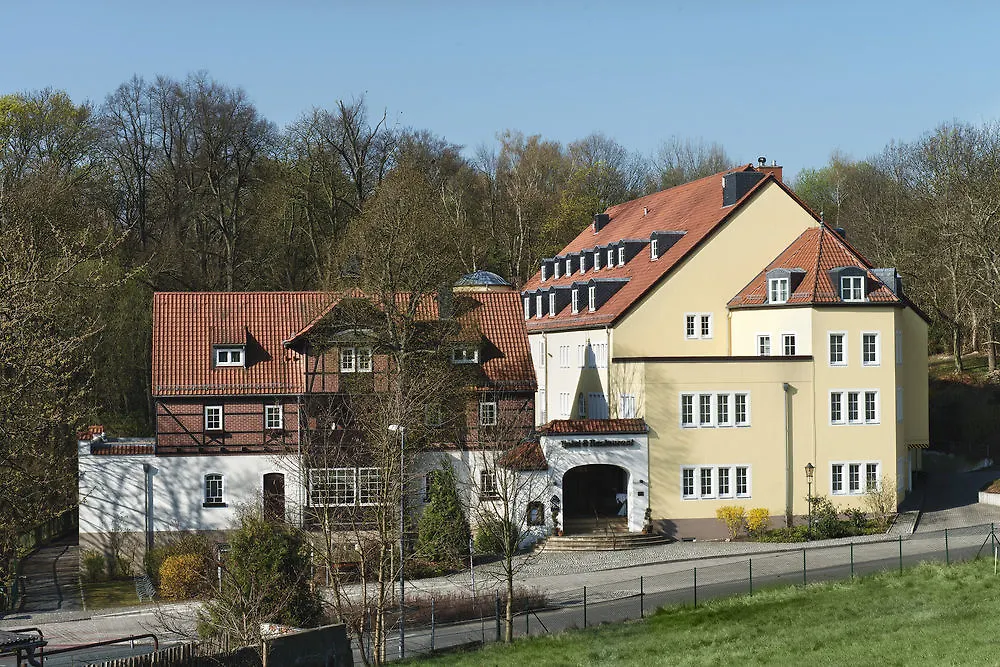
(789, 493)
(147, 501)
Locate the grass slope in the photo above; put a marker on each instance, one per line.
(932, 614)
(106, 594)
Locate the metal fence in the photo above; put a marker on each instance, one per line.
(634, 598)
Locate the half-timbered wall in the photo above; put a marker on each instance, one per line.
(180, 426)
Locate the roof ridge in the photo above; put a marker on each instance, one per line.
(819, 257)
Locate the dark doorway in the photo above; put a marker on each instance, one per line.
(274, 496)
(594, 491)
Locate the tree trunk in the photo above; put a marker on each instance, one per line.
(956, 347)
(509, 612)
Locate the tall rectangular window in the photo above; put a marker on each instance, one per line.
(364, 356)
(369, 486)
(213, 417)
(626, 406)
(788, 345)
(777, 290)
(576, 301)
(706, 326)
(597, 260)
(722, 410)
(853, 412)
(348, 360)
(488, 413)
(705, 409)
(213, 489)
(273, 417)
(621, 255)
(611, 257)
(564, 405)
(837, 407)
(687, 482)
(742, 481)
(687, 409)
(724, 489)
(527, 307)
(555, 268)
(583, 262)
(852, 288)
(854, 478)
(569, 266)
(564, 356)
(652, 249)
(592, 298)
(869, 349)
(837, 478)
(581, 355)
(742, 409)
(764, 345)
(689, 327)
(597, 406)
(488, 488)
(538, 305)
(871, 476)
(837, 352)
(706, 482)
(552, 303)
(871, 407)
(544, 273)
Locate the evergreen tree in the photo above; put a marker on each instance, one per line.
(443, 529)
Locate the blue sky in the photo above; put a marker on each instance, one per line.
(790, 80)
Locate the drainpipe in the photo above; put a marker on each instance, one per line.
(789, 493)
(147, 488)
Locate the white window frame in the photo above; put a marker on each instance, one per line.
(627, 406)
(464, 354)
(348, 360)
(274, 417)
(842, 336)
(218, 496)
(745, 419)
(224, 356)
(854, 398)
(214, 413)
(583, 262)
(564, 356)
(545, 272)
(487, 413)
(576, 300)
(877, 406)
(852, 288)
(687, 410)
(845, 477)
(653, 254)
(841, 415)
(527, 307)
(488, 487)
(876, 359)
(690, 326)
(691, 409)
(597, 260)
(363, 359)
(785, 336)
(345, 487)
(569, 266)
(693, 479)
(694, 326)
(706, 418)
(705, 329)
(763, 339)
(538, 306)
(611, 257)
(564, 405)
(724, 415)
(592, 298)
(368, 486)
(844, 399)
(552, 303)
(556, 264)
(778, 290)
(581, 355)
(621, 255)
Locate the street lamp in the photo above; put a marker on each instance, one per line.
(396, 428)
(810, 470)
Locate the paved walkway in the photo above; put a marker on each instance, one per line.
(951, 497)
(53, 578)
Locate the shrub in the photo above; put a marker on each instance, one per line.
(493, 533)
(733, 516)
(182, 577)
(443, 530)
(190, 543)
(93, 565)
(826, 522)
(757, 521)
(793, 534)
(880, 500)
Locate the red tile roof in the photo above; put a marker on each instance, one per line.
(694, 208)
(121, 449)
(816, 251)
(527, 456)
(498, 316)
(588, 426)
(186, 325)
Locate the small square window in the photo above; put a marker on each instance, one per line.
(777, 290)
(488, 413)
(273, 417)
(213, 417)
(852, 288)
(465, 354)
(764, 345)
(788, 345)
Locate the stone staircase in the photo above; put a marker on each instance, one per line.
(600, 534)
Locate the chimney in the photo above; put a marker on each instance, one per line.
(764, 168)
(600, 221)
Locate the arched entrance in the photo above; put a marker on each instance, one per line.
(594, 495)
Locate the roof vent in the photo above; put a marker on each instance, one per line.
(841, 232)
(600, 221)
(737, 184)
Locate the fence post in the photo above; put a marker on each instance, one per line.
(498, 614)
(803, 566)
(432, 625)
(696, 588)
(947, 556)
(584, 606)
(642, 600)
(750, 560)
(852, 560)
(901, 554)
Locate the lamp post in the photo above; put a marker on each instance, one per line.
(396, 428)
(810, 470)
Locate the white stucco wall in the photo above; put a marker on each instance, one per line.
(634, 458)
(113, 486)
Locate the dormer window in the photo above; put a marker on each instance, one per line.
(652, 249)
(229, 356)
(597, 260)
(527, 307)
(583, 262)
(538, 304)
(465, 354)
(552, 303)
(611, 257)
(569, 265)
(576, 301)
(621, 255)
(592, 297)
(555, 268)
(777, 290)
(852, 288)
(545, 273)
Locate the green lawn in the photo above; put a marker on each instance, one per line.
(930, 615)
(104, 594)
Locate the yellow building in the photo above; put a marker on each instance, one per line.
(751, 338)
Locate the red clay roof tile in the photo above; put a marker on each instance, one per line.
(588, 426)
